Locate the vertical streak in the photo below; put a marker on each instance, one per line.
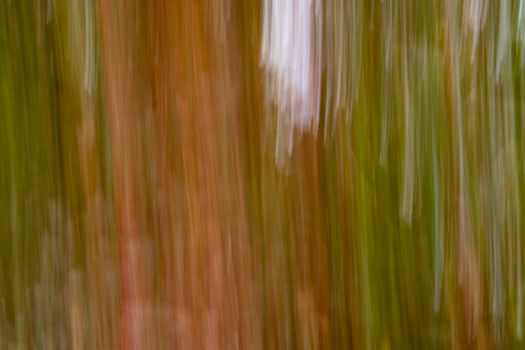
(438, 233)
(408, 184)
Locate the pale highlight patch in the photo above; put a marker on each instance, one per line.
(291, 59)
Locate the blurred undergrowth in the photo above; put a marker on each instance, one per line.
(242, 174)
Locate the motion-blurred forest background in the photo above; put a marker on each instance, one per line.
(262, 174)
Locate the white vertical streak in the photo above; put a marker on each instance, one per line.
(520, 33)
(503, 36)
(291, 58)
(387, 38)
(408, 184)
